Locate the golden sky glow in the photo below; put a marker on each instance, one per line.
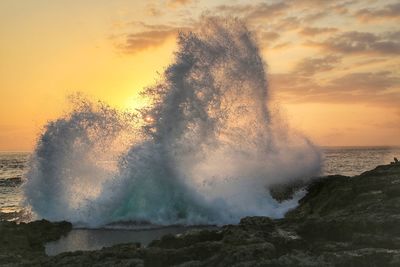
(334, 66)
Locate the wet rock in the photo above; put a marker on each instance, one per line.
(186, 239)
(25, 241)
(155, 256)
(118, 255)
(282, 192)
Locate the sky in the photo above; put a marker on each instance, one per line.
(333, 66)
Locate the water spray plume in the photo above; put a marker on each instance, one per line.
(205, 152)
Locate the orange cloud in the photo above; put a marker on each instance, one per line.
(137, 42)
(152, 36)
(281, 45)
(254, 12)
(379, 88)
(311, 31)
(268, 37)
(177, 3)
(311, 65)
(391, 11)
(362, 42)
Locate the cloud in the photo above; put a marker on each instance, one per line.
(391, 11)
(254, 12)
(154, 11)
(361, 42)
(152, 37)
(311, 31)
(315, 78)
(315, 16)
(268, 37)
(381, 88)
(339, 6)
(310, 66)
(392, 35)
(177, 3)
(288, 23)
(367, 81)
(316, 3)
(372, 61)
(291, 87)
(281, 45)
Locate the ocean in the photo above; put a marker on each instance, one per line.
(336, 160)
(13, 165)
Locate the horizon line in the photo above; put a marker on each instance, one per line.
(321, 146)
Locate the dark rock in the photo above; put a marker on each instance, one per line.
(25, 241)
(187, 239)
(282, 192)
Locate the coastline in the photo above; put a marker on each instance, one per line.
(341, 221)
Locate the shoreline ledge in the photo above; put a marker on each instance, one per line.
(341, 221)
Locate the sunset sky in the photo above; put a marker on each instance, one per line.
(333, 66)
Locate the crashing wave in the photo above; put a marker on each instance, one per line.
(204, 151)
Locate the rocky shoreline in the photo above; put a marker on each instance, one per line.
(341, 221)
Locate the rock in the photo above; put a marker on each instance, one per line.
(25, 241)
(118, 255)
(282, 192)
(341, 221)
(187, 239)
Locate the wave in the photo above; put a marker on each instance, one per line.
(204, 151)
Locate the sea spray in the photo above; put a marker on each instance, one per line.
(72, 159)
(206, 149)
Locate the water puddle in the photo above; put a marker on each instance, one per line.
(94, 239)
